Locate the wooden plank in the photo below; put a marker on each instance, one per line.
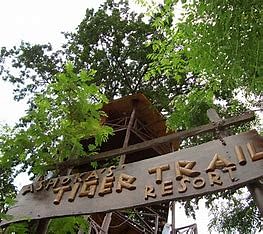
(178, 175)
(248, 116)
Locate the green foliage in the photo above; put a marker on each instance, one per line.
(21, 228)
(218, 47)
(203, 61)
(190, 109)
(30, 67)
(68, 225)
(232, 215)
(113, 41)
(7, 188)
(224, 40)
(66, 112)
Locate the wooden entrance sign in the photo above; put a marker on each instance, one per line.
(183, 174)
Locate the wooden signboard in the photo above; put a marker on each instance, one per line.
(183, 174)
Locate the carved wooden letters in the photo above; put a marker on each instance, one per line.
(188, 173)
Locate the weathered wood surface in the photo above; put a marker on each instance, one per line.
(183, 174)
(255, 188)
(164, 139)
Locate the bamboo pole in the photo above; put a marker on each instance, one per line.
(107, 219)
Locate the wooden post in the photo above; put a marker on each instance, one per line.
(256, 188)
(156, 224)
(107, 219)
(42, 226)
(127, 136)
(173, 206)
(173, 217)
(106, 223)
(39, 226)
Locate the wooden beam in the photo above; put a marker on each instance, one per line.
(245, 117)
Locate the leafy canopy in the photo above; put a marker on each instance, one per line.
(50, 132)
(220, 43)
(113, 41)
(66, 112)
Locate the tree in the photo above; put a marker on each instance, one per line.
(7, 191)
(59, 115)
(184, 76)
(59, 118)
(113, 41)
(233, 215)
(67, 112)
(221, 42)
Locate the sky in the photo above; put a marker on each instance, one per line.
(35, 21)
(42, 21)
